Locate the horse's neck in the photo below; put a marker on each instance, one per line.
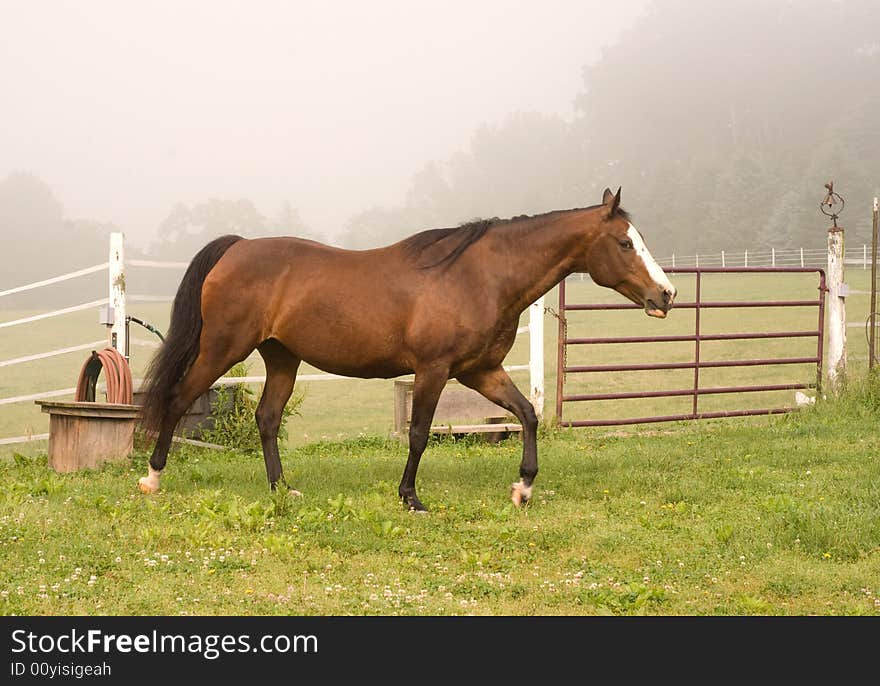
(538, 256)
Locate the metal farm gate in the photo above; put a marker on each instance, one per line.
(695, 389)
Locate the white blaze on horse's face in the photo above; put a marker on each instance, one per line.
(661, 281)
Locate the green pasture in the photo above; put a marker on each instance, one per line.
(333, 410)
(772, 516)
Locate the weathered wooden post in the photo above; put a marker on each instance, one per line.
(536, 356)
(118, 329)
(832, 206)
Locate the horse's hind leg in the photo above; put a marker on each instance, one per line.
(281, 367)
(209, 366)
(496, 385)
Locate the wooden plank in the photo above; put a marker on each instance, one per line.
(459, 411)
(201, 444)
(456, 402)
(474, 428)
(88, 409)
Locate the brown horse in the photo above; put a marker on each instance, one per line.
(442, 304)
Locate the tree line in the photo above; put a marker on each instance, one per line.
(722, 121)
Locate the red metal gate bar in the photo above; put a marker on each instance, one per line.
(692, 337)
(688, 365)
(675, 417)
(697, 337)
(703, 305)
(560, 349)
(697, 301)
(687, 391)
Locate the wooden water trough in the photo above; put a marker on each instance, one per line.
(84, 435)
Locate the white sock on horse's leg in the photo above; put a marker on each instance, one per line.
(150, 483)
(520, 493)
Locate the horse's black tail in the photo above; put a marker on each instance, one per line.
(181, 346)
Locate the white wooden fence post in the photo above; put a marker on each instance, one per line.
(117, 291)
(864, 257)
(673, 260)
(746, 258)
(802, 257)
(536, 356)
(723, 263)
(837, 291)
(772, 257)
(872, 310)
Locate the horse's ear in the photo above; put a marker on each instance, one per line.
(611, 201)
(607, 197)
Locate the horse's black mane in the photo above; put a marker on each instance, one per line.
(460, 238)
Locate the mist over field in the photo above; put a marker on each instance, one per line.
(358, 124)
(721, 460)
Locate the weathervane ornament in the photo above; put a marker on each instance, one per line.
(835, 313)
(832, 205)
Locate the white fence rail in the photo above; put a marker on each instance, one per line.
(55, 393)
(768, 257)
(55, 313)
(54, 279)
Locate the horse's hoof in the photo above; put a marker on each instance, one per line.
(293, 493)
(520, 493)
(146, 486)
(413, 504)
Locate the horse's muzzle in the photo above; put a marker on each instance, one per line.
(660, 306)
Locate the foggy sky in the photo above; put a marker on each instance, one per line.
(125, 108)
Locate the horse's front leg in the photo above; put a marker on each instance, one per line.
(497, 386)
(427, 387)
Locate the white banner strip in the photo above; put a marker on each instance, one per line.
(232, 380)
(38, 396)
(23, 439)
(144, 342)
(55, 313)
(150, 298)
(54, 279)
(157, 264)
(52, 353)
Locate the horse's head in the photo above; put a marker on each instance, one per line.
(618, 258)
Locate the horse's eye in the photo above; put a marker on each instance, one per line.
(626, 244)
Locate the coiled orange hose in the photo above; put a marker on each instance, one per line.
(117, 374)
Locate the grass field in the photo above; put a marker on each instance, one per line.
(768, 516)
(349, 408)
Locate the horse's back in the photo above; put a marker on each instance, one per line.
(323, 303)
